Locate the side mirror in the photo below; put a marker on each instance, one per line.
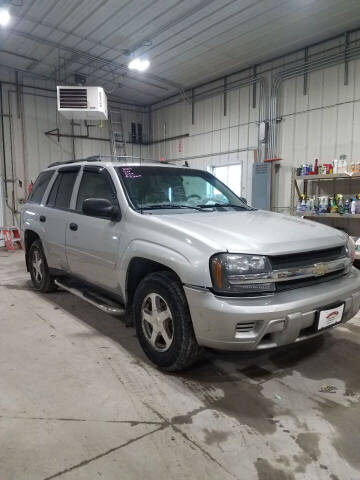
(243, 199)
(101, 207)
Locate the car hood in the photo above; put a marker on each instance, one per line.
(255, 231)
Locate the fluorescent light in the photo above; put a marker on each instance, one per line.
(139, 64)
(4, 17)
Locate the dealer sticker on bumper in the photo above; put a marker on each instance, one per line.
(330, 317)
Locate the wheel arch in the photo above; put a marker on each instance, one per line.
(138, 268)
(29, 238)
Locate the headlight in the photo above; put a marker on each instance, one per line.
(241, 273)
(350, 248)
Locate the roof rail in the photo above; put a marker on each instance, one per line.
(99, 158)
(55, 164)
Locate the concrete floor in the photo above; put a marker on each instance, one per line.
(79, 400)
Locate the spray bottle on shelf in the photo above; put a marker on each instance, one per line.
(353, 206)
(357, 204)
(303, 203)
(340, 203)
(347, 206)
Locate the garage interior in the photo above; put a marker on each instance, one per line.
(230, 85)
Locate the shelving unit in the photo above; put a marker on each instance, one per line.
(316, 185)
(302, 184)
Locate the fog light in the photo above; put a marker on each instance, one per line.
(276, 326)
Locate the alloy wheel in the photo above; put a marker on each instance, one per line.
(157, 322)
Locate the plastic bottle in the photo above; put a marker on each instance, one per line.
(347, 206)
(335, 167)
(316, 166)
(303, 204)
(357, 248)
(353, 206)
(340, 203)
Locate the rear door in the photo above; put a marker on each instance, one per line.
(92, 243)
(55, 216)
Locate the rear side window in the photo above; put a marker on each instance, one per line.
(39, 187)
(61, 191)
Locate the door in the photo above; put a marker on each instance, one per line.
(55, 215)
(92, 243)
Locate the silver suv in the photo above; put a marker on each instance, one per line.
(190, 263)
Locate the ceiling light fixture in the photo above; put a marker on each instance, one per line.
(139, 64)
(4, 17)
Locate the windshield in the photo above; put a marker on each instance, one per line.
(162, 187)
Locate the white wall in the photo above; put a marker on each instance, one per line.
(214, 138)
(324, 123)
(28, 150)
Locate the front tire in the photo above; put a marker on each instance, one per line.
(163, 322)
(39, 270)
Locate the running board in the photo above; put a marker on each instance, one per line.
(99, 301)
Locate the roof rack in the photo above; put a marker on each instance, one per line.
(99, 158)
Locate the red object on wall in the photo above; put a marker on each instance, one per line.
(180, 146)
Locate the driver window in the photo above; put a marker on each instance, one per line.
(95, 185)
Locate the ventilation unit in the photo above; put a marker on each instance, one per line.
(82, 103)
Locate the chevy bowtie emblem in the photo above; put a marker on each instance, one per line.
(320, 269)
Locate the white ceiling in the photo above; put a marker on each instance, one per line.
(187, 41)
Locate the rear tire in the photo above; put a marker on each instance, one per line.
(163, 322)
(39, 270)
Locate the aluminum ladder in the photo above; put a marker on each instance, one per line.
(118, 142)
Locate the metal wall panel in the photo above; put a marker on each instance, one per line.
(28, 150)
(214, 138)
(324, 123)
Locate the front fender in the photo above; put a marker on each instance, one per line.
(189, 268)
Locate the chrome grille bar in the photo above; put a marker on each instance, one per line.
(295, 273)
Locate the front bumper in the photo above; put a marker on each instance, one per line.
(234, 323)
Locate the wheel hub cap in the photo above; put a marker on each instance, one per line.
(37, 266)
(157, 322)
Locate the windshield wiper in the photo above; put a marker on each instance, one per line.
(168, 206)
(215, 205)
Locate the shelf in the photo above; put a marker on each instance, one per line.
(331, 176)
(325, 215)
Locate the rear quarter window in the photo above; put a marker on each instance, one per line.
(61, 190)
(39, 187)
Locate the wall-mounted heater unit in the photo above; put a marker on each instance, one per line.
(82, 103)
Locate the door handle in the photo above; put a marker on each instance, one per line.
(73, 226)
(42, 218)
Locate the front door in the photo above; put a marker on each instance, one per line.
(92, 243)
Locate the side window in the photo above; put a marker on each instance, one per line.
(39, 187)
(95, 185)
(61, 191)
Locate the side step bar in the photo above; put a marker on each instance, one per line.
(104, 304)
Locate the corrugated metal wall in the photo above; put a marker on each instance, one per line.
(28, 150)
(216, 137)
(324, 122)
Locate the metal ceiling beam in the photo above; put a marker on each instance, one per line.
(65, 32)
(172, 23)
(111, 97)
(81, 53)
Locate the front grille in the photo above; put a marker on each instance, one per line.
(306, 258)
(307, 282)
